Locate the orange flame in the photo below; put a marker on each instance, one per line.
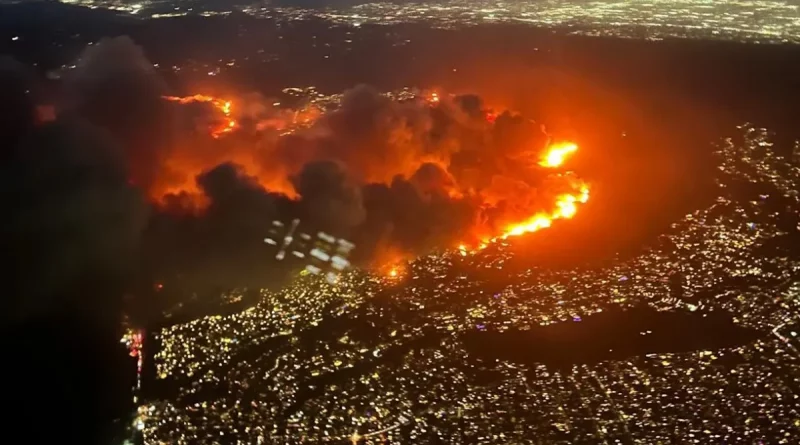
(224, 107)
(557, 154)
(565, 207)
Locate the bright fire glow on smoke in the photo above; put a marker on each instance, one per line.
(557, 153)
(564, 205)
(227, 125)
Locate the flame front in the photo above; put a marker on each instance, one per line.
(565, 206)
(223, 106)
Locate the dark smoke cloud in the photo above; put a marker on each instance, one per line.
(432, 180)
(71, 219)
(390, 176)
(330, 197)
(115, 87)
(398, 177)
(69, 236)
(375, 137)
(222, 245)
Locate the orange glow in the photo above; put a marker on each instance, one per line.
(191, 158)
(224, 107)
(566, 208)
(557, 153)
(527, 207)
(391, 272)
(565, 205)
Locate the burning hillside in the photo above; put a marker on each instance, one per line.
(427, 139)
(398, 174)
(223, 106)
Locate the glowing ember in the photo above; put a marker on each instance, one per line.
(557, 153)
(224, 107)
(392, 272)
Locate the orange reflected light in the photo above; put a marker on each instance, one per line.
(223, 106)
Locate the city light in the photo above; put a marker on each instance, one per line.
(389, 358)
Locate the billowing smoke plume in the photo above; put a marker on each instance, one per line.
(115, 87)
(395, 177)
(422, 174)
(330, 197)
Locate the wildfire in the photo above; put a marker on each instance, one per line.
(392, 272)
(223, 106)
(565, 206)
(557, 153)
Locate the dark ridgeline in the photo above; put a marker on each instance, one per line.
(70, 225)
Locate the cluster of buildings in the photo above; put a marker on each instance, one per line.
(435, 352)
(744, 20)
